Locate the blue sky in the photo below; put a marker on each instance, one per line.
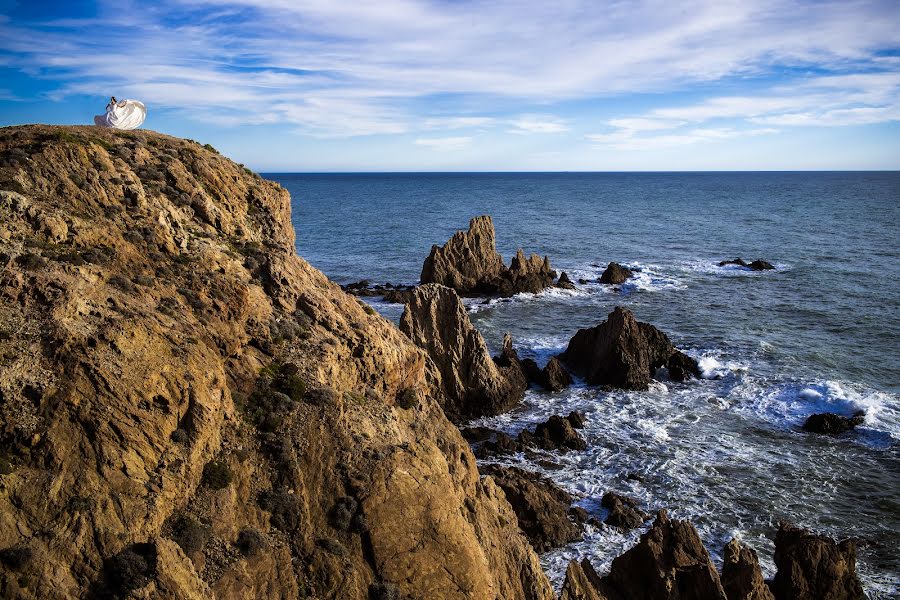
(403, 85)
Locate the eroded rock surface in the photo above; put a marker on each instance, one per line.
(624, 512)
(811, 566)
(625, 353)
(552, 377)
(473, 384)
(470, 264)
(542, 508)
(742, 578)
(833, 424)
(190, 410)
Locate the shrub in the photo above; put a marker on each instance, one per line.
(188, 533)
(6, 467)
(250, 542)
(131, 569)
(16, 557)
(408, 399)
(217, 475)
(121, 282)
(180, 436)
(284, 509)
(210, 148)
(384, 591)
(31, 261)
(342, 513)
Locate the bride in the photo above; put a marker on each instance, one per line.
(122, 114)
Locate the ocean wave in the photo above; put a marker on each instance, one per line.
(712, 267)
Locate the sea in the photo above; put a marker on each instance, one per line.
(820, 333)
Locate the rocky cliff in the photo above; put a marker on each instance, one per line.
(189, 410)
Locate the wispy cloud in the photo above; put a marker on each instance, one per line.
(526, 124)
(445, 144)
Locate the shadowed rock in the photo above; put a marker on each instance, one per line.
(541, 507)
(474, 384)
(553, 376)
(832, 424)
(616, 274)
(556, 433)
(625, 353)
(814, 567)
(624, 512)
(741, 575)
(756, 265)
(564, 282)
(470, 264)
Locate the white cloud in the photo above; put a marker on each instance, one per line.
(445, 144)
(525, 124)
(626, 139)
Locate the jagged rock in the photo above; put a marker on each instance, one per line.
(668, 563)
(581, 583)
(625, 353)
(624, 512)
(742, 578)
(832, 424)
(542, 508)
(114, 396)
(470, 264)
(814, 567)
(556, 433)
(564, 282)
(576, 419)
(553, 376)
(474, 385)
(756, 265)
(616, 274)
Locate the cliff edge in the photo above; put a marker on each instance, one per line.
(190, 410)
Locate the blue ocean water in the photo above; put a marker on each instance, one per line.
(821, 333)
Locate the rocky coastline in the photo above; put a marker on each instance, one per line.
(190, 410)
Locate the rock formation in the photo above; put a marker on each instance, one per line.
(541, 507)
(624, 512)
(190, 410)
(832, 424)
(581, 583)
(741, 576)
(470, 264)
(814, 566)
(616, 274)
(552, 377)
(756, 265)
(473, 384)
(556, 433)
(625, 353)
(564, 282)
(668, 563)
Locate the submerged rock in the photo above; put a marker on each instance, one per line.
(470, 264)
(552, 377)
(624, 512)
(616, 274)
(556, 433)
(742, 578)
(814, 567)
(474, 385)
(541, 507)
(625, 353)
(756, 265)
(833, 424)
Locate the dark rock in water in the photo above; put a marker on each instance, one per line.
(583, 281)
(581, 583)
(742, 578)
(477, 435)
(814, 567)
(616, 274)
(576, 419)
(399, 296)
(500, 445)
(553, 377)
(624, 512)
(756, 265)
(473, 384)
(625, 353)
(832, 424)
(541, 507)
(668, 563)
(556, 433)
(564, 282)
(470, 264)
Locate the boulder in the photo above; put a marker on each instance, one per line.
(741, 576)
(832, 424)
(564, 282)
(553, 376)
(470, 264)
(541, 507)
(616, 274)
(581, 583)
(556, 433)
(474, 385)
(814, 566)
(624, 512)
(668, 563)
(756, 265)
(625, 353)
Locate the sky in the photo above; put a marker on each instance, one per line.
(406, 85)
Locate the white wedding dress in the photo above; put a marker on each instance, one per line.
(124, 114)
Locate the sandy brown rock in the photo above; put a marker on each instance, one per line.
(625, 353)
(473, 384)
(170, 325)
(581, 583)
(741, 576)
(814, 566)
(542, 508)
